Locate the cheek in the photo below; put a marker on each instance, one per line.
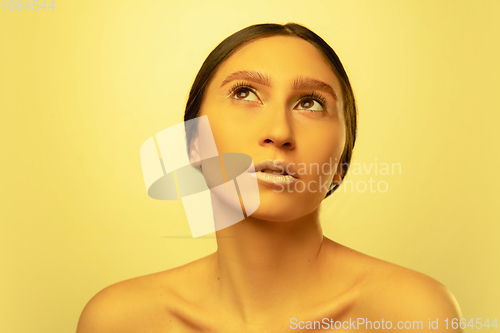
(324, 146)
(227, 134)
(330, 132)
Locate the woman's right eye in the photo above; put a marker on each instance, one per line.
(243, 94)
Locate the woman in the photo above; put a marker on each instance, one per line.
(279, 94)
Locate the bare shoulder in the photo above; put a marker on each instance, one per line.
(149, 303)
(122, 306)
(411, 294)
(392, 292)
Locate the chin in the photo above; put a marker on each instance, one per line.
(282, 207)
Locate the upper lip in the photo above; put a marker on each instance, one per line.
(276, 165)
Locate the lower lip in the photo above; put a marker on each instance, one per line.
(275, 179)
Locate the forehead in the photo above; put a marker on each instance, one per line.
(282, 58)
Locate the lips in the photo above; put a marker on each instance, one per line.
(277, 166)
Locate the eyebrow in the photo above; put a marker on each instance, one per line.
(299, 83)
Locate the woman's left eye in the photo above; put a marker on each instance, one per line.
(308, 103)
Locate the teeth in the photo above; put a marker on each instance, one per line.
(273, 171)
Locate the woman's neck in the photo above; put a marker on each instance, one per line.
(262, 265)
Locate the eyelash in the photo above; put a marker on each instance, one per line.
(312, 95)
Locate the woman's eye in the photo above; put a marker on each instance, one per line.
(244, 93)
(308, 103)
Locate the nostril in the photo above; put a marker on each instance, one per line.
(267, 140)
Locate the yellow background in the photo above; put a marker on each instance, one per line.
(83, 86)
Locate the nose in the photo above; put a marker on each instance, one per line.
(277, 130)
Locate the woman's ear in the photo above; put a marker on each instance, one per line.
(194, 153)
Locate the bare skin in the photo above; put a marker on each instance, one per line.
(190, 298)
(275, 265)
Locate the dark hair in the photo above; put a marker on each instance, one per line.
(229, 45)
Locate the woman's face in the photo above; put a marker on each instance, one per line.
(300, 124)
